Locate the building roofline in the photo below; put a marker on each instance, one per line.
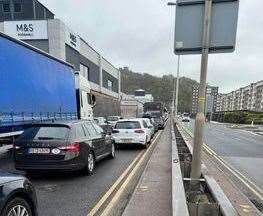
(81, 38)
(44, 6)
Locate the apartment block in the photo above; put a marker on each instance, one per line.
(246, 98)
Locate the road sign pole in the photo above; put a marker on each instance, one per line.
(177, 85)
(200, 117)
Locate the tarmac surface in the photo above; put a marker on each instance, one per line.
(240, 148)
(66, 194)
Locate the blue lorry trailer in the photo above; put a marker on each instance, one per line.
(34, 86)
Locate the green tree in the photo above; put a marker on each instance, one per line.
(160, 87)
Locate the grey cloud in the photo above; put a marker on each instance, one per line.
(139, 34)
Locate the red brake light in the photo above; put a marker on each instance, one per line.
(139, 131)
(16, 147)
(75, 148)
(115, 131)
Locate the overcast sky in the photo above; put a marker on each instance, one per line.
(139, 34)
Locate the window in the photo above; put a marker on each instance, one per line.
(84, 71)
(90, 129)
(81, 101)
(128, 125)
(110, 84)
(6, 7)
(45, 133)
(98, 128)
(113, 118)
(17, 7)
(80, 131)
(145, 124)
(89, 98)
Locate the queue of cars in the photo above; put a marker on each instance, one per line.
(78, 144)
(66, 146)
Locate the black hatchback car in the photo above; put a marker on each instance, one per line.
(66, 146)
(17, 196)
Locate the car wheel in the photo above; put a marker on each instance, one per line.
(145, 145)
(90, 163)
(17, 207)
(113, 151)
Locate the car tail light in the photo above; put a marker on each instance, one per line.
(75, 148)
(16, 147)
(140, 131)
(115, 131)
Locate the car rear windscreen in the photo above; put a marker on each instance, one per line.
(45, 133)
(128, 125)
(112, 118)
(156, 114)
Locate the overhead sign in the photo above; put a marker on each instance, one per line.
(189, 26)
(26, 30)
(72, 39)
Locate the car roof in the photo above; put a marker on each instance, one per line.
(68, 123)
(131, 119)
(146, 119)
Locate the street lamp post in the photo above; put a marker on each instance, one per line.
(173, 101)
(176, 85)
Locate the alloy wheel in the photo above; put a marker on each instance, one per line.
(18, 210)
(113, 151)
(90, 163)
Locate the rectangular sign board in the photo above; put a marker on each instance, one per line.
(27, 29)
(189, 26)
(72, 39)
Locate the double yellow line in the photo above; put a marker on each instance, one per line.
(247, 182)
(114, 193)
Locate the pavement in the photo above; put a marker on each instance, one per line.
(153, 194)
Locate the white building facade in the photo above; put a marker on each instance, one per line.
(247, 98)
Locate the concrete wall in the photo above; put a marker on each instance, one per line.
(56, 35)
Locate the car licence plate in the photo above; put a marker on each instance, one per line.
(126, 140)
(39, 151)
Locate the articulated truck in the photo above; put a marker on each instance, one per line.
(35, 86)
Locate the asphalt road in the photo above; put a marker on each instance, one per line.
(74, 193)
(241, 149)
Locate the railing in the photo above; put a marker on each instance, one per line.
(12, 118)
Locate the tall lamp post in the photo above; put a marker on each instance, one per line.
(176, 85)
